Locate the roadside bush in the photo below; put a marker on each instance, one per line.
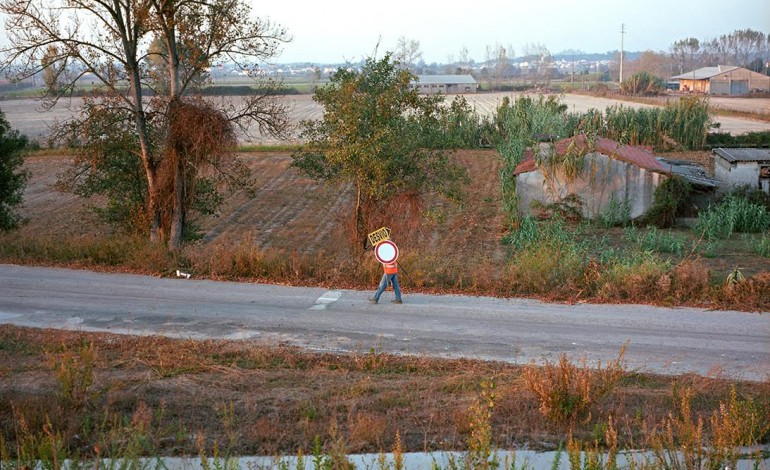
(550, 268)
(690, 280)
(632, 278)
(752, 293)
(546, 257)
(566, 390)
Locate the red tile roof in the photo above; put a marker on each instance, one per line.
(639, 156)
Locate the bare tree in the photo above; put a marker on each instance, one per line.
(111, 40)
(539, 58)
(685, 53)
(407, 53)
(741, 47)
(498, 58)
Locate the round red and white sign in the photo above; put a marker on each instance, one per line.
(386, 252)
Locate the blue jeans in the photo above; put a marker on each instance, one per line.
(388, 279)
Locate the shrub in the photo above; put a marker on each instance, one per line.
(642, 83)
(13, 178)
(566, 391)
(690, 280)
(546, 256)
(669, 201)
(632, 277)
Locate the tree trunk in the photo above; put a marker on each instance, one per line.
(175, 92)
(148, 160)
(360, 232)
(178, 211)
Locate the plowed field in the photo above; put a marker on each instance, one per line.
(290, 211)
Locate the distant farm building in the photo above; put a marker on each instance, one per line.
(446, 84)
(736, 167)
(723, 80)
(605, 176)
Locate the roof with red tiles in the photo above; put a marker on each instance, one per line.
(639, 156)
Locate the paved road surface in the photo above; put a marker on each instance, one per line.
(663, 340)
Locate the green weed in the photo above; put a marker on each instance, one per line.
(735, 214)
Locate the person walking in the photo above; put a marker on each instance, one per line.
(390, 276)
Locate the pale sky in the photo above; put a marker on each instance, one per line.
(335, 31)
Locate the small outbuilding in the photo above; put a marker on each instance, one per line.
(591, 176)
(736, 167)
(446, 84)
(723, 80)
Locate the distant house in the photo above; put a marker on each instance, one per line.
(736, 167)
(723, 80)
(611, 176)
(446, 84)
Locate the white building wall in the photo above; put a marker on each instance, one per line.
(736, 174)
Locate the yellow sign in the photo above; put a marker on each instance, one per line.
(379, 235)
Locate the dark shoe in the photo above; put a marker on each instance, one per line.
(372, 300)
(396, 301)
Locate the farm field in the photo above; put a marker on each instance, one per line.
(29, 118)
(290, 212)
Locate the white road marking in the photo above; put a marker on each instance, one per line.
(327, 299)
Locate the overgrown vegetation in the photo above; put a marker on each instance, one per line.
(669, 202)
(13, 178)
(734, 214)
(643, 83)
(138, 399)
(371, 139)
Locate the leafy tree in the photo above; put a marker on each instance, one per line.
(13, 178)
(111, 40)
(51, 71)
(370, 138)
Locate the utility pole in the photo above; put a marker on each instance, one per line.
(622, 33)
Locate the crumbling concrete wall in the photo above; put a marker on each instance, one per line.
(604, 184)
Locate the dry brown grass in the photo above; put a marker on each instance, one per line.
(181, 396)
(566, 391)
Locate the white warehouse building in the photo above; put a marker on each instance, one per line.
(446, 84)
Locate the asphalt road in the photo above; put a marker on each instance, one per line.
(663, 340)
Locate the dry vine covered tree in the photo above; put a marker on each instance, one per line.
(110, 40)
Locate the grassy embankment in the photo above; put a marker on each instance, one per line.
(81, 396)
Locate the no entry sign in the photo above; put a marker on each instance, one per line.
(386, 252)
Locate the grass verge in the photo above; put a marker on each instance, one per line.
(150, 396)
